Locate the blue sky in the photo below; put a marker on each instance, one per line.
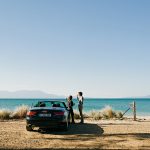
(100, 47)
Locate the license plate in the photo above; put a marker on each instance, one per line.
(44, 115)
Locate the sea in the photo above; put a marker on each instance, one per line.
(90, 104)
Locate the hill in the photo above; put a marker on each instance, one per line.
(28, 94)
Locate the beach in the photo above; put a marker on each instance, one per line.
(101, 134)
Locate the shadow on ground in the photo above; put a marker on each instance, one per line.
(137, 135)
(77, 134)
(74, 129)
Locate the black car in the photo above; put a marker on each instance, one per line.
(47, 114)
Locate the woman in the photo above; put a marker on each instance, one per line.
(70, 108)
(80, 105)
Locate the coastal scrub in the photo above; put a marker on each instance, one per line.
(4, 114)
(20, 112)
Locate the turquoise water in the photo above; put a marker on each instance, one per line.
(143, 104)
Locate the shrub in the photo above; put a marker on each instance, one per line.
(76, 115)
(108, 113)
(119, 115)
(4, 114)
(105, 113)
(20, 112)
(96, 115)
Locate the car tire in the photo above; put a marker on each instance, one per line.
(29, 128)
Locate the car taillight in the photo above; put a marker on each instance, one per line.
(31, 113)
(59, 113)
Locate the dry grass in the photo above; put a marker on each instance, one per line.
(4, 114)
(119, 115)
(108, 113)
(105, 113)
(76, 114)
(20, 112)
(96, 115)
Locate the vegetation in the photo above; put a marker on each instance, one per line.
(105, 113)
(96, 115)
(4, 114)
(76, 115)
(20, 112)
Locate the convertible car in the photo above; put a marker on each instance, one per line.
(47, 114)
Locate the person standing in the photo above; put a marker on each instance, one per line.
(80, 99)
(70, 108)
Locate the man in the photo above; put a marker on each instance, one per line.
(80, 105)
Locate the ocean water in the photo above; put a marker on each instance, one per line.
(118, 104)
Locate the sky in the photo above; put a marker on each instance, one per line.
(99, 47)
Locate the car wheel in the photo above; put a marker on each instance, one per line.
(29, 128)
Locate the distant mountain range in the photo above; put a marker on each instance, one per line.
(147, 96)
(28, 94)
(41, 94)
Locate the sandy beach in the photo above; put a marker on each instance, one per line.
(102, 134)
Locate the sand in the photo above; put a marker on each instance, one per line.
(103, 134)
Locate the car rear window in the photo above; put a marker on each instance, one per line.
(50, 104)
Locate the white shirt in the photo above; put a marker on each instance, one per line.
(80, 99)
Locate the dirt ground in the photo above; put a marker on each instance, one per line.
(90, 135)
